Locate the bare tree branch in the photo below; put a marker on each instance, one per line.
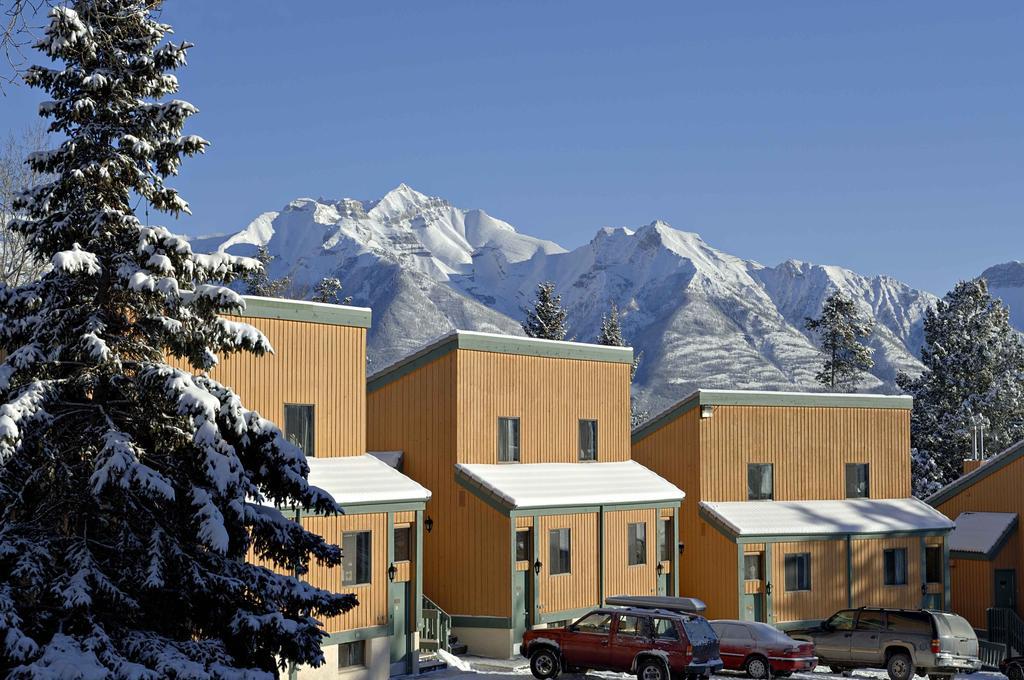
(17, 264)
(21, 23)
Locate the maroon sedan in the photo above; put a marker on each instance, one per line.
(758, 648)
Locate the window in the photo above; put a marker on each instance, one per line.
(351, 654)
(637, 534)
(355, 558)
(753, 566)
(933, 564)
(665, 629)
(588, 440)
(508, 440)
(298, 426)
(871, 619)
(843, 620)
(798, 571)
(759, 481)
(664, 544)
(600, 624)
(561, 558)
(632, 626)
(523, 546)
(403, 536)
(895, 567)
(857, 480)
(917, 623)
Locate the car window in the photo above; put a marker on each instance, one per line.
(843, 620)
(915, 623)
(871, 620)
(956, 625)
(595, 623)
(632, 626)
(766, 633)
(665, 629)
(698, 630)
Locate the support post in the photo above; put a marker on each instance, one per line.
(849, 571)
(675, 551)
(600, 556)
(947, 599)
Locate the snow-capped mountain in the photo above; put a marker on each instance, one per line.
(1006, 282)
(700, 316)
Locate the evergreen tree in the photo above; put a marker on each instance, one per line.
(547, 318)
(132, 491)
(841, 329)
(258, 281)
(973, 372)
(328, 289)
(611, 335)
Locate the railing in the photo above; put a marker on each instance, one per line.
(1005, 627)
(435, 627)
(991, 653)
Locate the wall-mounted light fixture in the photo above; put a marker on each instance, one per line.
(536, 567)
(707, 410)
(682, 547)
(660, 569)
(428, 523)
(392, 572)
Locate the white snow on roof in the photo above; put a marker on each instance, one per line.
(363, 479)
(851, 516)
(980, 532)
(545, 485)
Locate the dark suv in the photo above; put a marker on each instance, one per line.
(902, 641)
(656, 644)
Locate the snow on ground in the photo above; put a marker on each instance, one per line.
(488, 669)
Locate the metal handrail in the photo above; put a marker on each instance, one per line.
(1005, 627)
(435, 627)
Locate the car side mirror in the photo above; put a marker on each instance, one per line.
(572, 628)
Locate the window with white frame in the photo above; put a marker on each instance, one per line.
(508, 440)
(560, 551)
(637, 536)
(356, 558)
(588, 440)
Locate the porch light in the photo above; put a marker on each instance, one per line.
(536, 567)
(428, 523)
(682, 547)
(660, 569)
(706, 410)
(392, 572)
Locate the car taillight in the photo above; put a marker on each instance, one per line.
(936, 646)
(793, 650)
(689, 649)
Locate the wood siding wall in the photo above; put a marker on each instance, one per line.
(373, 598)
(869, 587)
(809, 448)
(312, 363)
(580, 587)
(971, 583)
(620, 577)
(828, 581)
(466, 555)
(550, 397)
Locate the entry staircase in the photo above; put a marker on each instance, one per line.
(1005, 628)
(436, 634)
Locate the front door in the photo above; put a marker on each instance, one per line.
(834, 643)
(586, 644)
(866, 642)
(400, 612)
(631, 636)
(522, 602)
(1006, 589)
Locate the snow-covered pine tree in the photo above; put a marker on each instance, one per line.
(131, 491)
(841, 329)
(547, 317)
(258, 281)
(328, 289)
(611, 335)
(974, 370)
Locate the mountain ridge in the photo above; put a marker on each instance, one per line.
(700, 316)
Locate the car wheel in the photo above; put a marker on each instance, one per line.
(1015, 672)
(651, 669)
(900, 666)
(757, 667)
(544, 664)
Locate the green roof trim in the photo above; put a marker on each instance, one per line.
(768, 398)
(499, 344)
(989, 467)
(304, 310)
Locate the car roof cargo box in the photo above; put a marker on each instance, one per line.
(686, 605)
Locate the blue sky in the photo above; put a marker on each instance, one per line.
(885, 137)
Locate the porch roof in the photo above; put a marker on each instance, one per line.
(362, 480)
(981, 534)
(855, 516)
(521, 486)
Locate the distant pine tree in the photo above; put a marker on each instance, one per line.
(611, 335)
(974, 373)
(547, 317)
(840, 329)
(328, 289)
(258, 281)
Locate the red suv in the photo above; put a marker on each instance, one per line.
(656, 644)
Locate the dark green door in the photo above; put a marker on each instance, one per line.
(1006, 588)
(663, 583)
(400, 616)
(521, 604)
(753, 607)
